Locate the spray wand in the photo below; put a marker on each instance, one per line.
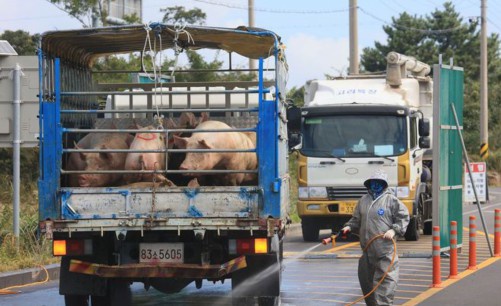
(333, 237)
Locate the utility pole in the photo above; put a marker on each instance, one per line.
(252, 63)
(354, 69)
(484, 116)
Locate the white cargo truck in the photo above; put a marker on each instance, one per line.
(352, 126)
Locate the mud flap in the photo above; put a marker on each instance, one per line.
(71, 283)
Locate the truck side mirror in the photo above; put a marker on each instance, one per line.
(293, 126)
(424, 142)
(424, 127)
(294, 141)
(294, 119)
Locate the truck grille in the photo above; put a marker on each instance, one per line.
(345, 193)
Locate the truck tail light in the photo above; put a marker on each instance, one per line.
(248, 246)
(261, 246)
(72, 247)
(59, 247)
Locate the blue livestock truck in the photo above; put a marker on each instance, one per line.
(165, 236)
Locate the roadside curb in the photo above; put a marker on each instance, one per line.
(27, 276)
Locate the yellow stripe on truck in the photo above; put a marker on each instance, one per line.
(404, 169)
(302, 173)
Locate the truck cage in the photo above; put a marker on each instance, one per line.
(69, 107)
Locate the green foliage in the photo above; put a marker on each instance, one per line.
(424, 38)
(85, 11)
(293, 194)
(21, 41)
(494, 161)
(296, 95)
(32, 251)
(132, 19)
(178, 14)
(29, 165)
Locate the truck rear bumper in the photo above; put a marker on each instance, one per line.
(163, 270)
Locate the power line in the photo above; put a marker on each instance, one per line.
(389, 6)
(495, 25)
(400, 27)
(244, 7)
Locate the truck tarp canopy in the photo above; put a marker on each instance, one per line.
(82, 47)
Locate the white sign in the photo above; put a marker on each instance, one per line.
(479, 175)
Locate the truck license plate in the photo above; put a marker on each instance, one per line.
(348, 208)
(161, 252)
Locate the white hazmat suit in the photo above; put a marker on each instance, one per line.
(385, 214)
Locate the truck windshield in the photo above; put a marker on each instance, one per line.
(354, 136)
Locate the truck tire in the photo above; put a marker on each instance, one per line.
(412, 233)
(259, 281)
(118, 294)
(76, 300)
(310, 230)
(169, 285)
(428, 227)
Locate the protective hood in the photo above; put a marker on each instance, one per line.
(379, 175)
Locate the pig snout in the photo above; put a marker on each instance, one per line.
(84, 181)
(184, 167)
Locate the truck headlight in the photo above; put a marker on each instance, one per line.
(318, 192)
(312, 192)
(402, 192)
(303, 192)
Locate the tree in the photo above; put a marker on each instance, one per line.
(296, 95)
(178, 14)
(89, 12)
(21, 41)
(444, 32)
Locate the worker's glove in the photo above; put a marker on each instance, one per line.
(345, 230)
(389, 234)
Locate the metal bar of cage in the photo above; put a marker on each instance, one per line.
(163, 110)
(214, 171)
(185, 71)
(159, 151)
(233, 130)
(126, 93)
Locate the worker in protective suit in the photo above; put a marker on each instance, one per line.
(378, 212)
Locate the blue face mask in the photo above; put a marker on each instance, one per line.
(376, 188)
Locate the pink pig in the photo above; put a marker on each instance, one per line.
(145, 160)
(99, 161)
(219, 160)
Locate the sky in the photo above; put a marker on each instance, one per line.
(315, 32)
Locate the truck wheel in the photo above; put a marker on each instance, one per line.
(412, 233)
(118, 294)
(76, 300)
(310, 230)
(259, 281)
(427, 227)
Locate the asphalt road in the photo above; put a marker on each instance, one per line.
(313, 275)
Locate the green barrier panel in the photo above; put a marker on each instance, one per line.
(447, 152)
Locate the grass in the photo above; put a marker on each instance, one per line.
(293, 188)
(32, 251)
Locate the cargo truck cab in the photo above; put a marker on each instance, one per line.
(351, 127)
